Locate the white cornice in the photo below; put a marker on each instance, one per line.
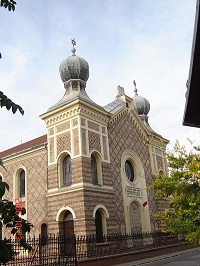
(79, 187)
(73, 109)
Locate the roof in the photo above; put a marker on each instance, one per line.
(114, 106)
(25, 146)
(192, 105)
(72, 96)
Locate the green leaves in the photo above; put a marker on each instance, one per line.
(6, 102)
(9, 4)
(3, 187)
(181, 192)
(10, 219)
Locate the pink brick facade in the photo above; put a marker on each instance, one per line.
(90, 172)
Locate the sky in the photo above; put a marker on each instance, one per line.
(148, 41)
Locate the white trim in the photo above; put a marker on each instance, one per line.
(100, 206)
(64, 209)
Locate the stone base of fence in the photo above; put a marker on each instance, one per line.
(137, 255)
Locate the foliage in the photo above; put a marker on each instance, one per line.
(6, 102)
(10, 218)
(10, 4)
(181, 190)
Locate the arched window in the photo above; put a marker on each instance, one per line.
(67, 171)
(99, 226)
(22, 184)
(94, 170)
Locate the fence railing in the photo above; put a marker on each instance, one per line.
(58, 250)
(111, 245)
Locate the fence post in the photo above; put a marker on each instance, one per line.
(40, 253)
(75, 254)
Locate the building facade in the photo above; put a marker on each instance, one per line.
(89, 174)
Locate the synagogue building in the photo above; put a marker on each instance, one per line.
(89, 173)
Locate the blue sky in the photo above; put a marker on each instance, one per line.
(148, 41)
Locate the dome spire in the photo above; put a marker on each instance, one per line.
(73, 49)
(135, 90)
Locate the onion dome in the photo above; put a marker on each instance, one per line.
(74, 67)
(142, 105)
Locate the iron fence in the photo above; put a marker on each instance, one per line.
(52, 251)
(60, 251)
(111, 245)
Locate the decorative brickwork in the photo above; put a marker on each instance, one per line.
(69, 199)
(63, 142)
(93, 125)
(52, 176)
(105, 148)
(76, 141)
(103, 130)
(94, 141)
(35, 168)
(94, 198)
(51, 131)
(75, 122)
(51, 150)
(63, 126)
(124, 134)
(83, 121)
(84, 145)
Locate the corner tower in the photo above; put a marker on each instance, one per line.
(79, 186)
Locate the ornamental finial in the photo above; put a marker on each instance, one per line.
(73, 43)
(135, 90)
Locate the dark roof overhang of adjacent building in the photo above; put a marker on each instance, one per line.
(192, 105)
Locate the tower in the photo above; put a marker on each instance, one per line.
(79, 183)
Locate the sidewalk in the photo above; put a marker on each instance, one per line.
(156, 258)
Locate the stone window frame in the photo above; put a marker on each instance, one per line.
(102, 210)
(61, 160)
(130, 156)
(16, 189)
(17, 186)
(98, 179)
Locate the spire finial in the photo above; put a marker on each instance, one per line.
(135, 90)
(73, 43)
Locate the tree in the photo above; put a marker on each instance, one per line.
(10, 217)
(4, 100)
(10, 213)
(10, 4)
(181, 191)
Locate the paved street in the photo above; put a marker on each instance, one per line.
(183, 258)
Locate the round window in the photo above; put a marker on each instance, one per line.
(129, 171)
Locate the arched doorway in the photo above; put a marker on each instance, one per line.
(68, 229)
(135, 218)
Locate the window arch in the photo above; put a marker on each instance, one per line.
(22, 190)
(96, 169)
